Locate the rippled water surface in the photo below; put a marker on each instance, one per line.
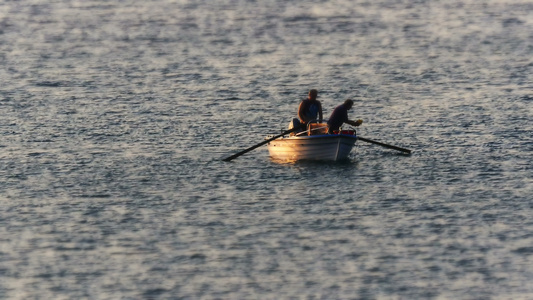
(116, 115)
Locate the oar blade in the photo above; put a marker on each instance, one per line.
(384, 145)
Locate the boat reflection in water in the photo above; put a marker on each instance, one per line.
(313, 144)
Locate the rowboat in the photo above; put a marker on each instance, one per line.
(313, 144)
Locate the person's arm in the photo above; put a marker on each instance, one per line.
(320, 113)
(301, 112)
(355, 123)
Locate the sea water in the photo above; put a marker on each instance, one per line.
(116, 115)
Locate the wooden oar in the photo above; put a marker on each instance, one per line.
(384, 145)
(260, 144)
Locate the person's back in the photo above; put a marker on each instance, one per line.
(338, 117)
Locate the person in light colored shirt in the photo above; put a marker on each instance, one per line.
(310, 109)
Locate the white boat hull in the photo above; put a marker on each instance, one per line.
(328, 147)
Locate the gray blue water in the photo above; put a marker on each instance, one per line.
(115, 116)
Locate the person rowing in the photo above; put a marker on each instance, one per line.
(309, 111)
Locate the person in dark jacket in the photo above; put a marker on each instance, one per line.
(339, 116)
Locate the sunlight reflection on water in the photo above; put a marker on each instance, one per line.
(116, 116)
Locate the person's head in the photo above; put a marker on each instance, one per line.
(348, 103)
(313, 94)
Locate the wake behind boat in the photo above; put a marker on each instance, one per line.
(313, 144)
